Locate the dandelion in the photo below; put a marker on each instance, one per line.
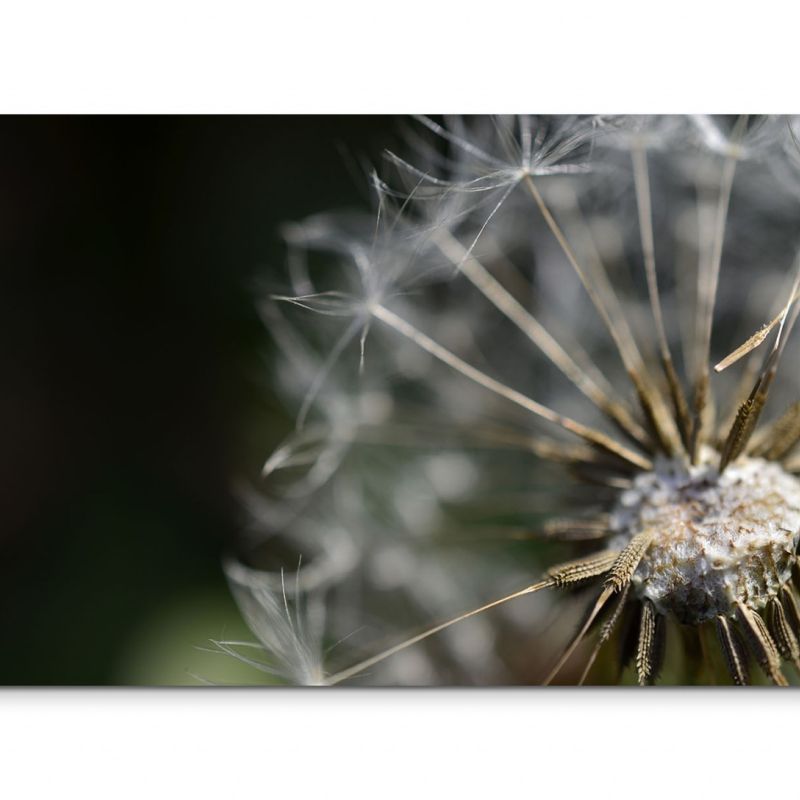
(558, 340)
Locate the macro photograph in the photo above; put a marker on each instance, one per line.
(401, 401)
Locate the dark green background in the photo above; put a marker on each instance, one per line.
(134, 391)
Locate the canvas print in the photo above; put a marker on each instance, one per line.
(425, 401)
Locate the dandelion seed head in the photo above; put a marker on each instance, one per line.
(508, 363)
(719, 539)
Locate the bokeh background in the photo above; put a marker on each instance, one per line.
(134, 392)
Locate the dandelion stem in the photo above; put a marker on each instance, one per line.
(745, 423)
(642, 184)
(708, 282)
(598, 607)
(366, 664)
(661, 423)
(494, 291)
(643, 202)
(605, 633)
(592, 436)
(439, 435)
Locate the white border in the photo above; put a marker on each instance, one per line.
(417, 744)
(433, 56)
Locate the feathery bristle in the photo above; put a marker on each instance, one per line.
(761, 644)
(749, 413)
(679, 404)
(606, 631)
(649, 646)
(742, 429)
(790, 606)
(659, 421)
(782, 632)
(566, 452)
(582, 569)
(743, 349)
(623, 568)
(781, 436)
(702, 390)
(572, 529)
(620, 572)
(756, 340)
(735, 655)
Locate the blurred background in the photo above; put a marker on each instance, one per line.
(135, 395)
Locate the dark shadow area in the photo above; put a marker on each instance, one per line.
(134, 388)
